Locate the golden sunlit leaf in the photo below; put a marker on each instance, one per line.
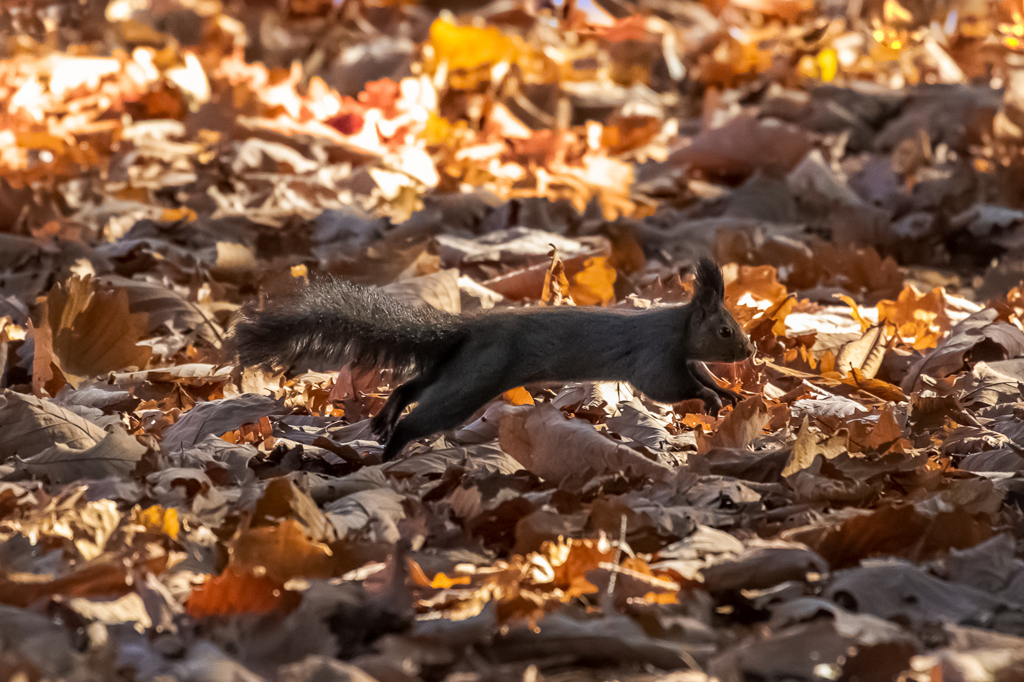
(518, 396)
(439, 582)
(160, 520)
(893, 12)
(919, 317)
(661, 598)
(469, 47)
(828, 64)
(855, 311)
(556, 284)
(283, 551)
(595, 283)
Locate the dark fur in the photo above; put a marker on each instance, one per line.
(461, 362)
(334, 322)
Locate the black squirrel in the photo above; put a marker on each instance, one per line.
(460, 362)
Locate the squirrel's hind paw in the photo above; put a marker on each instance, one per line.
(381, 426)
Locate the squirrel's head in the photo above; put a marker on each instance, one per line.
(715, 335)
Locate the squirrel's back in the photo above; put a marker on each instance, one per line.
(332, 322)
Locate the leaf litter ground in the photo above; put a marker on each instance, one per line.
(166, 514)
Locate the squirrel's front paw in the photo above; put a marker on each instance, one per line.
(729, 396)
(712, 403)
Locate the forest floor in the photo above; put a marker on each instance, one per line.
(855, 169)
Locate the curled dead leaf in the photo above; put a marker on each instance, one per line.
(568, 452)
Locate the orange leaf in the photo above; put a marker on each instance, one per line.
(595, 283)
(158, 519)
(173, 214)
(518, 396)
(284, 551)
(440, 580)
(921, 317)
(855, 311)
(234, 592)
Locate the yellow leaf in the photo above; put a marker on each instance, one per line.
(808, 67)
(828, 64)
(161, 520)
(595, 283)
(468, 47)
(855, 311)
(440, 581)
(895, 13)
(437, 129)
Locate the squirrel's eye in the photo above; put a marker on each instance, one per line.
(725, 332)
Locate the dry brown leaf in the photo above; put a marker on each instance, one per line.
(979, 337)
(89, 331)
(896, 530)
(439, 290)
(882, 390)
(217, 417)
(116, 455)
(282, 552)
(865, 354)
(31, 425)
(809, 444)
(743, 145)
(567, 452)
(556, 285)
(739, 428)
(762, 567)
(282, 500)
(884, 435)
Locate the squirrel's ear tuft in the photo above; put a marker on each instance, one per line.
(709, 287)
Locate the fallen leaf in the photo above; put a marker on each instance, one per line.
(567, 452)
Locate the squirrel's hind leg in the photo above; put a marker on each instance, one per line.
(383, 423)
(442, 407)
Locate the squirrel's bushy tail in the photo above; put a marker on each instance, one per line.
(333, 322)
